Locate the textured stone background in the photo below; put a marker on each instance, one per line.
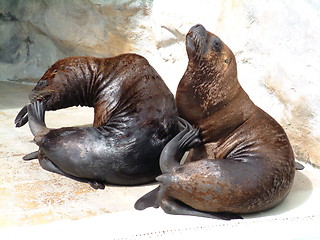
(276, 44)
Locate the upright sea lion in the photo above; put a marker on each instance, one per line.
(134, 117)
(244, 163)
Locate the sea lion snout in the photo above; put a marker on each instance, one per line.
(197, 29)
(199, 41)
(195, 40)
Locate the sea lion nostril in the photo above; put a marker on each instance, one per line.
(195, 41)
(198, 26)
(197, 29)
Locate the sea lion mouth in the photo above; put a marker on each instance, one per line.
(196, 38)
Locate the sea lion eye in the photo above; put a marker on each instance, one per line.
(42, 84)
(216, 42)
(226, 60)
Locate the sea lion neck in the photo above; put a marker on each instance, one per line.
(81, 81)
(201, 92)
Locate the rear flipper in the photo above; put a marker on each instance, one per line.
(190, 138)
(179, 208)
(174, 150)
(299, 166)
(148, 200)
(170, 159)
(30, 156)
(46, 164)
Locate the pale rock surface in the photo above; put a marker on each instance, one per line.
(275, 42)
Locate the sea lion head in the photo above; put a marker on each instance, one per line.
(210, 81)
(50, 82)
(210, 53)
(56, 84)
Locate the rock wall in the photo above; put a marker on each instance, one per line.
(36, 33)
(276, 45)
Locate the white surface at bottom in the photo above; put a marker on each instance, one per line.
(153, 224)
(298, 217)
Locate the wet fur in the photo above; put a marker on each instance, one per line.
(245, 162)
(134, 117)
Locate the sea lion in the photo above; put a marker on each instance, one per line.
(241, 160)
(134, 117)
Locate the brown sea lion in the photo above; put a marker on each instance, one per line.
(134, 117)
(244, 163)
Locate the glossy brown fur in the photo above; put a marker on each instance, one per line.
(246, 163)
(107, 84)
(134, 117)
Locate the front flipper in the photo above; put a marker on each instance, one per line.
(148, 200)
(46, 164)
(174, 150)
(36, 112)
(22, 117)
(179, 208)
(95, 184)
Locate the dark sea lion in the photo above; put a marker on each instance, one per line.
(244, 163)
(134, 117)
